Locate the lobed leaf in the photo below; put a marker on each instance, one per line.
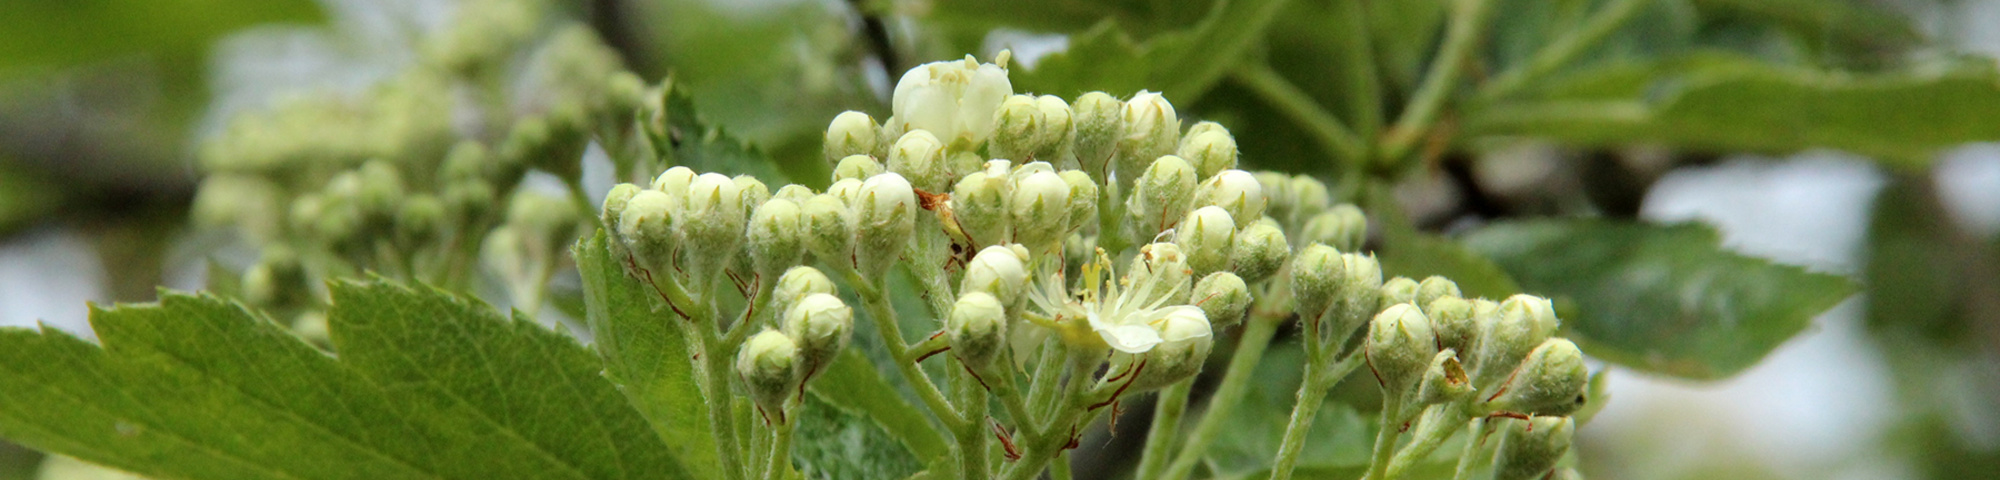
(642, 354)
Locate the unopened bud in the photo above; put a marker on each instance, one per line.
(822, 325)
(1398, 290)
(647, 228)
(885, 214)
(1058, 136)
(1100, 121)
(1152, 130)
(675, 181)
(381, 190)
(1161, 195)
(979, 202)
(977, 328)
(775, 237)
(1223, 297)
(1551, 381)
(1039, 210)
(1400, 346)
(1310, 196)
(1082, 198)
(1277, 195)
(1444, 381)
(1236, 191)
(420, 221)
(829, 229)
(851, 133)
(798, 194)
(1529, 449)
(796, 284)
(715, 225)
(1451, 318)
(1211, 151)
(1185, 340)
(857, 167)
(1343, 227)
(1000, 270)
(1316, 280)
(614, 206)
(1207, 235)
(1260, 251)
(920, 158)
(846, 189)
(768, 365)
(1435, 287)
(751, 192)
(1017, 128)
(1522, 323)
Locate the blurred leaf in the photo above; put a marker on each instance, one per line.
(853, 383)
(426, 385)
(644, 356)
(1727, 105)
(1340, 438)
(1419, 255)
(178, 33)
(694, 142)
(1182, 64)
(1847, 24)
(24, 197)
(830, 442)
(1660, 298)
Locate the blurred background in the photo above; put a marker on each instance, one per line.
(104, 105)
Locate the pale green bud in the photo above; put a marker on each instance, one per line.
(1161, 196)
(420, 221)
(979, 203)
(1443, 382)
(920, 157)
(851, 133)
(1551, 381)
(796, 284)
(1398, 290)
(1343, 227)
(1435, 287)
(798, 194)
(822, 325)
(1565, 474)
(1399, 348)
(769, 366)
(1529, 449)
(1451, 318)
(891, 130)
(775, 237)
(1361, 288)
(277, 280)
(614, 207)
(1160, 271)
(846, 189)
(469, 201)
(1039, 210)
(857, 167)
(715, 225)
(885, 214)
(1211, 151)
(1309, 196)
(1186, 337)
(962, 163)
(1152, 130)
(1200, 128)
(1316, 280)
(647, 228)
(829, 229)
(675, 181)
(248, 201)
(955, 99)
(1000, 270)
(1207, 235)
(1058, 136)
(752, 192)
(1100, 121)
(977, 328)
(1017, 132)
(1278, 196)
(1236, 191)
(1082, 198)
(1260, 250)
(381, 190)
(1519, 325)
(1223, 297)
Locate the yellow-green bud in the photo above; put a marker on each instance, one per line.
(1309, 196)
(1000, 270)
(822, 325)
(1521, 323)
(1207, 235)
(715, 224)
(857, 167)
(1161, 196)
(1040, 210)
(381, 190)
(885, 214)
(798, 194)
(1211, 150)
(1058, 135)
(1451, 318)
(1260, 251)
(1082, 198)
(1342, 226)
(1400, 346)
(1529, 449)
(1443, 382)
(1398, 290)
(775, 237)
(851, 133)
(1435, 287)
(1236, 191)
(846, 189)
(277, 280)
(829, 229)
(1152, 130)
(1551, 381)
(920, 158)
(1017, 128)
(675, 182)
(614, 206)
(979, 203)
(1200, 128)
(977, 328)
(647, 226)
(1223, 297)
(1185, 340)
(796, 284)
(1160, 271)
(753, 192)
(420, 221)
(1100, 121)
(467, 201)
(1316, 280)
(769, 366)
(1277, 195)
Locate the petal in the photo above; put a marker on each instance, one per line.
(1130, 338)
(1182, 322)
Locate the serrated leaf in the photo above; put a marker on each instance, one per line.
(1660, 298)
(690, 140)
(1419, 255)
(645, 357)
(830, 442)
(427, 386)
(1182, 64)
(853, 383)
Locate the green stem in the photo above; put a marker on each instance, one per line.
(1467, 24)
(1256, 337)
(1325, 128)
(1438, 423)
(1166, 428)
(1465, 459)
(1061, 469)
(1312, 394)
(971, 436)
(1385, 437)
(1362, 73)
(1048, 374)
(781, 451)
(1110, 217)
(721, 411)
(1040, 448)
(1564, 50)
(884, 318)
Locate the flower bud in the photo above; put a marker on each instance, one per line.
(829, 229)
(1260, 251)
(979, 202)
(884, 217)
(920, 158)
(1040, 210)
(1278, 196)
(1223, 297)
(614, 207)
(1550, 381)
(1398, 290)
(1211, 151)
(1161, 195)
(1316, 279)
(647, 228)
(1443, 382)
(1529, 449)
(798, 194)
(421, 220)
(822, 325)
(381, 190)
(796, 284)
(1207, 235)
(1399, 348)
(851, 133)
(1082, 198)
(857, 167)
(1017, 128)
(1160, 271)
(753, 192)
(1342, 226)
(1000, 270)
(1236, 191)
(1435, 287)
(715, 225)
(1198, 129)
(954, 99)
(1100, 121)
(846, 189)
(1058, 135)
(1309, 196)
(775, 237)
(768, 365)
(674, 182)
(1151, 130)
(1451, 319)
(277, 280)
(1186, 337)
(1565, 474)
(977, 328)
(1522, 323)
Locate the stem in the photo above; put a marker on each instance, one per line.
(1362, 72)
(1166, 426)
(781, 449)
(1564, 50)
(1326, 129)
(1042, 395)
(971, 437)
(1256, 337)
(1053, 438)
(1062, 470)
(1111, 216)
(1439, 423)
(1385, 437)
(1312, 394)
(1465, 459)
(884, 318)
(721, 412)
(1466, 27)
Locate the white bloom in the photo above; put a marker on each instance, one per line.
(1132, 319)
(953, 99)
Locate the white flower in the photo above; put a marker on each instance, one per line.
(953, 100)
(1132, 319)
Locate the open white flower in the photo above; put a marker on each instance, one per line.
(1131, 318)
(954, 100)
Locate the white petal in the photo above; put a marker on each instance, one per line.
(1182, 322)
(1130, 338)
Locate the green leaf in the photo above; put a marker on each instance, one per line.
(1340, 438)
(46, 35)
(426, 386)
(692, 141)
(25, 196)
(1182, 64)
(1727, 105)
(645, 356)
(1418, 255)
(1660, 298)
(834, 443)
(853, 383)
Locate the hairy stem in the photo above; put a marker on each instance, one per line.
(884, 318)
(1165, 429)
(1438, 423)
(1385, 436)
(1256, 337)
(1312, 395)
(1468, 23)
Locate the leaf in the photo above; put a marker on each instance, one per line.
(1418, 255)
(1660, 298)
(853, 383)
(834, 443)
(645, 357)
(426, 386)
(688, 139)
(1182, 64)
(42, 35)
(25, 196)
(1744, 105)
(1340, 436)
